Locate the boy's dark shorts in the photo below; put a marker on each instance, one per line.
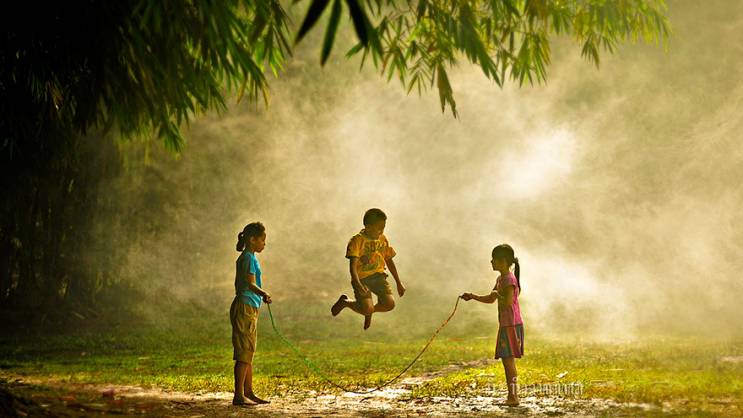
(376, 283)
(244, 319)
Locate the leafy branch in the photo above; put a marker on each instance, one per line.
(418, 41)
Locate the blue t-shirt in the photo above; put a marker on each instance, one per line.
(246, 264)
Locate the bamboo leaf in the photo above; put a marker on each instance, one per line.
(446, 95)
(313, 14)
(360, 21)
(327, 43)
(353, 51)
(421, 9)
(258, 25)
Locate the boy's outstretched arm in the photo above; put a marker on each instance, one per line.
(393, 270)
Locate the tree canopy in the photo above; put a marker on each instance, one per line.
(143, 66)
(417, 41)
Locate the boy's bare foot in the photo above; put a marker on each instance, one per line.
(367, 321)
(339, 305)
(256, 399)
(240, 401)
(512, 401)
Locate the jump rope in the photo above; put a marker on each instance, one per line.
(313, 367)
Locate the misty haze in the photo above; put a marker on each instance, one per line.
(618, 187)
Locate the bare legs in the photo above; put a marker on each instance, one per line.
(244, 384)
(509, 365)
(385, 304)
(364, 306)
(241, 374)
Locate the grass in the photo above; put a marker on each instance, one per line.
(655, 371)
(194, 354)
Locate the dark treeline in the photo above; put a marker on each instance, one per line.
(50, 173)
(73, 78)
(50, 199)
(50, 170)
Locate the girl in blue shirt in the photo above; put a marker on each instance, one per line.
(244, 310)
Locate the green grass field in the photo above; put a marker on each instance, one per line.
(194, 354)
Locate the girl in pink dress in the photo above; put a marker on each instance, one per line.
(510, 342)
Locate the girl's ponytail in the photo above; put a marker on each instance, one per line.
(240, 242)
(505, 252)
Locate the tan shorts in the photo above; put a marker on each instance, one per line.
(244, 319)
(376, 283)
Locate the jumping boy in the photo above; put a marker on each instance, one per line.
(369, 252)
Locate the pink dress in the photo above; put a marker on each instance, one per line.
(510, 341)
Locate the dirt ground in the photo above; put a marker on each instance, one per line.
(23, 396)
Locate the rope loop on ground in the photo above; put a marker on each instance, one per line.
(313, 367)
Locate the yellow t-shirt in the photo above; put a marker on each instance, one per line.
(370, 252)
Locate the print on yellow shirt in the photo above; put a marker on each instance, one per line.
(370, 252)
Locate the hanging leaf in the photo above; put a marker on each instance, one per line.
(360, 21)
(446, 95)
(421, 9)
(327, 44)
(313, 14)
(353, 51)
